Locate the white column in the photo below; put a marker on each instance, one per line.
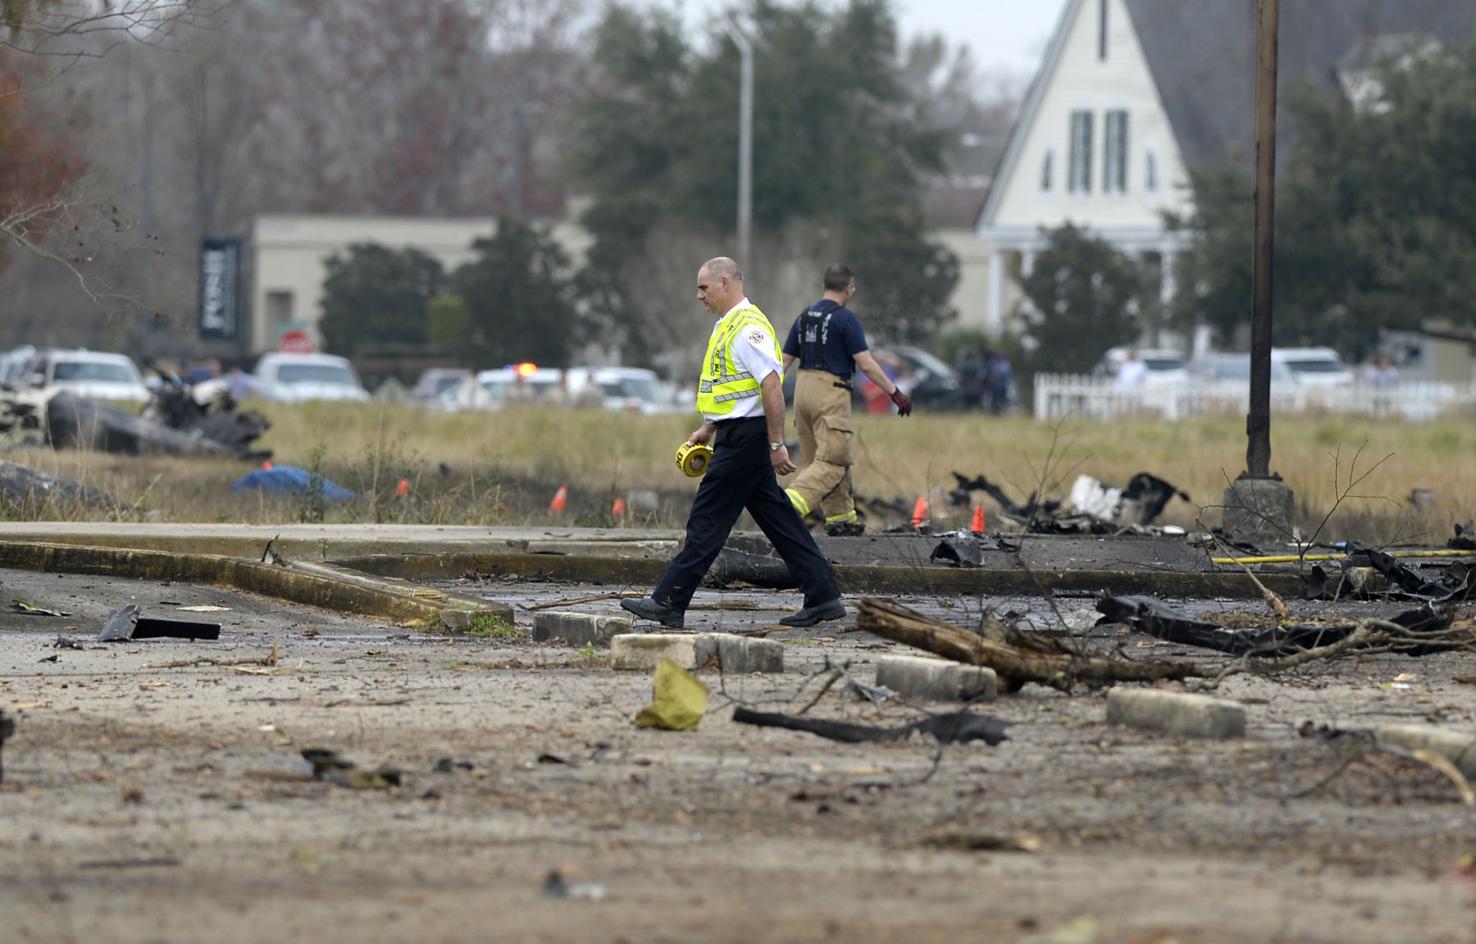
(1027, 262)
(1168, 284)
(994, 314)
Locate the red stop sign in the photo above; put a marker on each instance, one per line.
(296, 341)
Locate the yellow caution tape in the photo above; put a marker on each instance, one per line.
(1293, 558)
(693, 458)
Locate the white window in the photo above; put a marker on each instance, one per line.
(279, 308)
(1079, 174)
(1115, 152)
(1047, 169)
(1150, 172)
(1101, 30)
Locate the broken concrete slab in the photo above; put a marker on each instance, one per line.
(578, 629)
(936, 679)
(1176, 713)
(737, 655)
(1456, 746)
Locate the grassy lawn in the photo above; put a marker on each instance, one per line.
(503, 467)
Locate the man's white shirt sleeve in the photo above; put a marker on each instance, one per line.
(755, 351)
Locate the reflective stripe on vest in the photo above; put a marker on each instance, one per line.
(724, 381)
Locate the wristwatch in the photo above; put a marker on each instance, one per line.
(776, 446)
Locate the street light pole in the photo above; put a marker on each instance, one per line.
(745, 143)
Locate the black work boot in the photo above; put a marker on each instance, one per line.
(820, 612)
(648, 609)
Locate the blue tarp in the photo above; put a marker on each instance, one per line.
(290, 480)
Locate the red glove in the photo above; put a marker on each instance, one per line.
(903, 401)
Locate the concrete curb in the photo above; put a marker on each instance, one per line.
(312, 585)
(736, 655)
(1176, 713)
(578, 629)
(936, 679)
(328, 547)
(853, 578)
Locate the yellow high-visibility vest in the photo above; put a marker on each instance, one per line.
(724, 382)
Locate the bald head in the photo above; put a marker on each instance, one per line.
(719, 285)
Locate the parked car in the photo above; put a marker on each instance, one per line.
(94, 374)
(13, 365)
(287, 377)
(1164, 366)
(1235, 368)
(435, 381)
(515, 383)
(619, 388)
(1314, 366)
(932, 384)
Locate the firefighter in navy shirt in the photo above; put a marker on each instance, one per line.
(829, 344)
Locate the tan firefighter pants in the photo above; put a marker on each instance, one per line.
(822, 416)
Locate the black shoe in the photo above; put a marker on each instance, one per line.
(820, 612)
(648, 609)
(846, 529)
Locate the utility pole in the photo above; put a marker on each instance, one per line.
(1258, 423)
(1258, 505)
(745, 143)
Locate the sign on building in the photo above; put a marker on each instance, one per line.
(220, 288)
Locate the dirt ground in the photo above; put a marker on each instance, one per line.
(151, 796)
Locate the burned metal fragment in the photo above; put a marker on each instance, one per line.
(955, 727)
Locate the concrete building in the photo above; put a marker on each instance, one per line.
(289, 253)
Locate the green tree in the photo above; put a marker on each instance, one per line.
(1082, 294)
(518, 298)
(1374, 222)
(841, 148)
(377, 295)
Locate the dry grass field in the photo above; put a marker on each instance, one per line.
(503, 467)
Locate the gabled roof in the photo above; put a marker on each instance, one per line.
(1010, 157)
(1202, 56)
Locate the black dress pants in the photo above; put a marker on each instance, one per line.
(742, 476)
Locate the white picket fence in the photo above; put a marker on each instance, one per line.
(1058, 396)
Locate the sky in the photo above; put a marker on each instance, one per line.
(1003, 34)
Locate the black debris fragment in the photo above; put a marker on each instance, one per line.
(7, 730)
(124, 624)
(330, 767)
(1152, 617)
(955, 727)
(28, 488)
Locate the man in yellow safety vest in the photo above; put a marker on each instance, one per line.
(741, 398)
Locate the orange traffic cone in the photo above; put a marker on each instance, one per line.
(920, 511)
(617, 508)
(403, 488)
(560, 500)
(977, 525)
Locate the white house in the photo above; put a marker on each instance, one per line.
(1133, 93)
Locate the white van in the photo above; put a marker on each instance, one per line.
(289, 378)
